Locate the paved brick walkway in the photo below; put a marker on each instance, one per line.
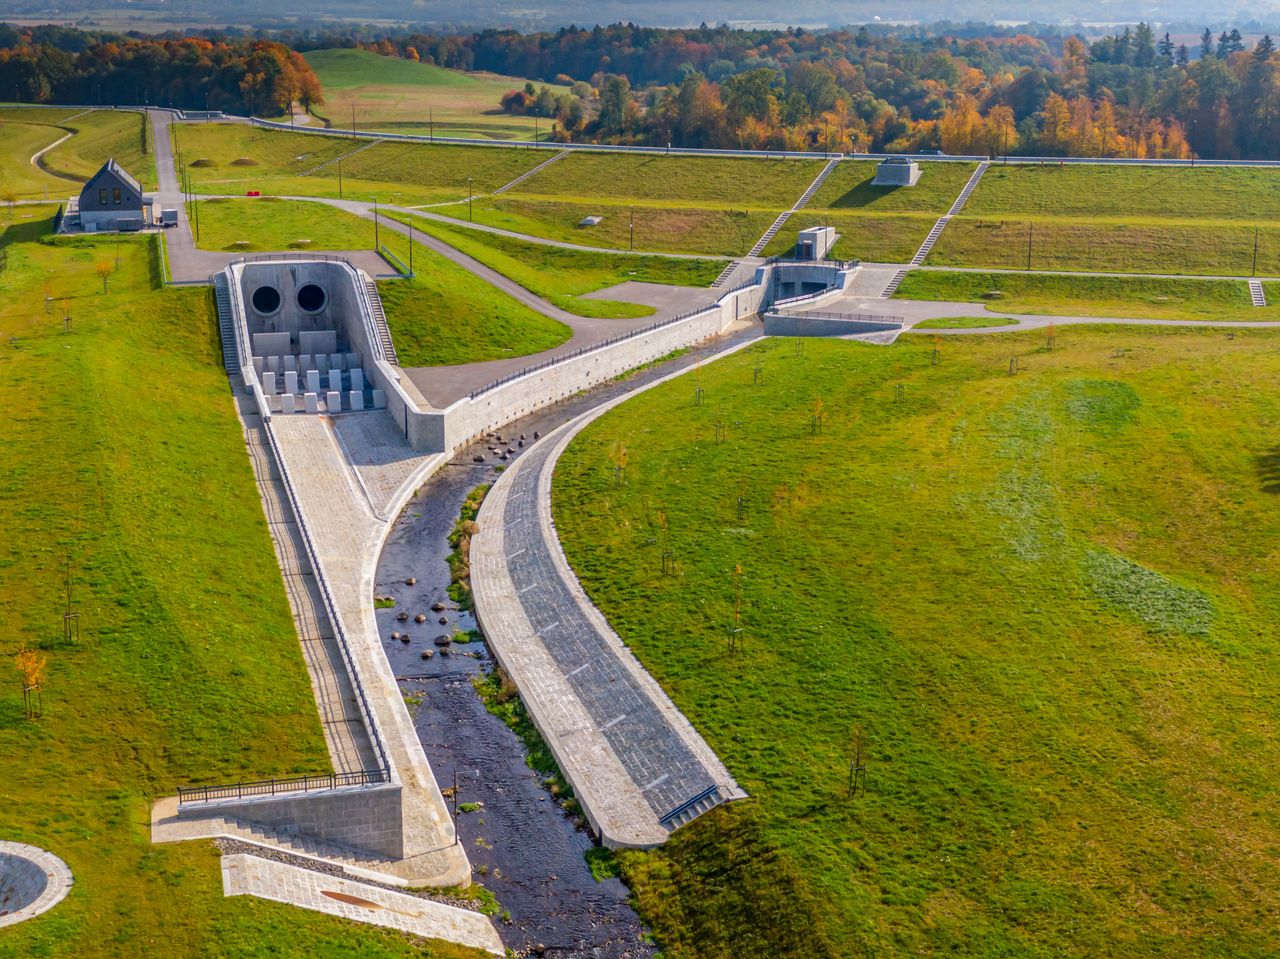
(631, 756)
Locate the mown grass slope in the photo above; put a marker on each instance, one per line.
(561, 276)
(19, 177)
(850, 187)
(1140, 297)
(1048, 602)
(123, 456)
(101, 135)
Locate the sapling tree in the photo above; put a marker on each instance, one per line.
(104, 270)
(31, 666)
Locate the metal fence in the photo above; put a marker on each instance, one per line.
(845, 317)
(274, 787)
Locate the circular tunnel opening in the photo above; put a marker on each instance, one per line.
(266, 299)
(311, 298)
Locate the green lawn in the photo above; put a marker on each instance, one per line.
(1066, 677)
(561, 276)
(849, 187)
(719, 232)
(232, 158)
(870, 237)
(679, 180)
(1153, 298)
(103, 135)
(121, 444)
(1208, 193)
(401, 96)
(963, 323)
(444, 316)
(21, 179)
(1223, 249)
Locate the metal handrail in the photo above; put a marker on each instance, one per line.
(272, 787)
(689, 803)
(604, 344)
(848, 317)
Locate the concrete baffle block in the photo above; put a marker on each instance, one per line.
(335, 361)
(313, 381)
(353, 360)
(379, 400)
(333, 401)
(357, 378)
(356, 399)
(312, 403)
(320, 362)
(273, 364)
(304, 362)
(291, 381)
(257, 365)
(290, 362)
(288, 403)
(269, 383)
(335, 379)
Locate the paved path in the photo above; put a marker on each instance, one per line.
(630, 754)
(347, 535)
(244, 875)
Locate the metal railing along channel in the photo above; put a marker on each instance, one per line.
(275, 787)
(845, 317)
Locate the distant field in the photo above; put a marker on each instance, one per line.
(1047, 602)
(397, 95)
(678, 180)
(103, 135)
(1148, 298)
(1208, 193)
(722, 232)
(561, 276)
(1172, 246)
(849, 187)
(870, 237)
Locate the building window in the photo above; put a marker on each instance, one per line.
(102, 197)
(115, 196)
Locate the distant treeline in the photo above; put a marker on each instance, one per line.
(59, 65)
(985, 90)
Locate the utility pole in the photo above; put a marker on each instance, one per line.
(353, 118)
(411, 246)
(431, 124)
(1029, 244)
(339, 178)
(1255, 251)
(631, 243)
(469, 194)
(376, 242)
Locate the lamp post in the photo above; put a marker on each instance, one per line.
(631, 243)
(376, 241)
(339, 178)
(469, 195)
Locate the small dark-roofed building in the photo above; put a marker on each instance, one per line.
(113, 200)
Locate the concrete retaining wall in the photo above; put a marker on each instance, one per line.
(367, 818)
(797, 324)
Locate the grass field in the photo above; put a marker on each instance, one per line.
(1153, 298)
(398, 95)
(962, 323)
(675, 180)
(232, 158)
(445, 315)
(17, 174)
(718, 232)
(562, 276)
(120, 444)
(100, 136)
(849, 187)
(1224, 248)
(1156, 193)
(1048, 601)
(871, 237)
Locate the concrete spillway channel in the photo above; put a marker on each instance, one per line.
(522, 846)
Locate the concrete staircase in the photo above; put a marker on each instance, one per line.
(783, 217)
(528, 173)
(1256, 293)
(380, 321)
(893, 284)
(350, 153)
(956, 207)
(727, 272)
(226, 325)
(289, 839)
(688, 812)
